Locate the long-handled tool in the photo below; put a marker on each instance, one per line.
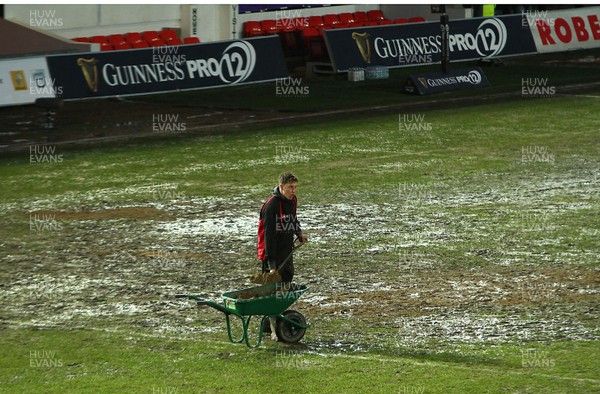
(265, 278)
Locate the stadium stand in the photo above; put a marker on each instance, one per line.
(306, 34)
(145, 39)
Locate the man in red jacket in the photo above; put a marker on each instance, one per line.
(277, 227)
(279, 224)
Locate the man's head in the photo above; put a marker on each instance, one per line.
(287, 185)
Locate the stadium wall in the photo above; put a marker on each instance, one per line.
(72, 21)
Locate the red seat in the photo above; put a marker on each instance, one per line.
(106, 47)
(360, 16)
(150, 36)
(385, 22)
(157, 43)
(331, 20)
(416, 19)
(341, 26)
(269, 26)
(116, 39)
(191, 40)
(371, 23)
(315, 21)
(400, 21)
(346, 18)
(99, 39)
(301, 23)
(132, 38)
(174, 41)
(140, 44)
(285, 25)
(252, 29)
(313, 41)
(81, 39)
(167, 35)
(121, 46)
(375, 15)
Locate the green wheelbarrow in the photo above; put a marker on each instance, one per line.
(270, 300)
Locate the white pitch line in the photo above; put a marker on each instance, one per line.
(470, 368)
(342, 355)
(577, 95)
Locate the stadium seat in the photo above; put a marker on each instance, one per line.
(157, 43)
(140, 44)
(191, 40)
(416, 19)
(115, 39)
(133, 38)
(150, 36)
(385, 22)
(122, 46)
(285, 25)
(99, 39)
(346, 18)
(300, 23)
(174, 42)
(106, 47)
(167, 35)
(375, 15)
(316, 22)
(400, 21)
(360, 16)
(81, 39)
(371, 23)
(269, 26)
(252, 29)
(331, 20)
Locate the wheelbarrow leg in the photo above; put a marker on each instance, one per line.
(246, 323)
(229, 330)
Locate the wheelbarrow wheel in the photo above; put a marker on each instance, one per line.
(288, 333)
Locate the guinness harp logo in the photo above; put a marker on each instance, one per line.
(423, 82)
(363, 44)
(89, 69)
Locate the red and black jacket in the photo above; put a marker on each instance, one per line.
(277, 226)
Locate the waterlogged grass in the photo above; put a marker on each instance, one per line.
(465, 189)
(86, 361)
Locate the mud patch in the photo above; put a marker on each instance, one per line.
(132, 213)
